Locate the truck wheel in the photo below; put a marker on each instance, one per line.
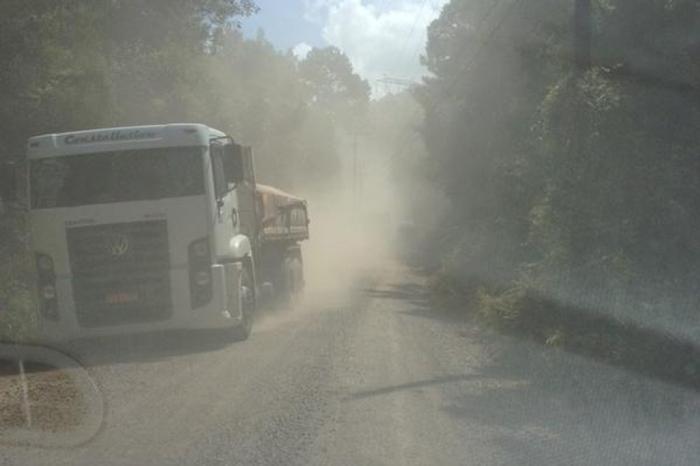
(294, 271)
(246, 293)
(299, 277)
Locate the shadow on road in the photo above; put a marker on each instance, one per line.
(412, 292)
(602, 416)
(592, 334)
(546, 405)
(145, 347)
(413, 385)
(155, 346)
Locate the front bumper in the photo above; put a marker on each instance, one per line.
(221, 312)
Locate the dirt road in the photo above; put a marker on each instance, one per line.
(374, 376)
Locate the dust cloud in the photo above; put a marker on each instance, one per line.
(354, 221)
(352, 234)
(346, 245)
(347, 251)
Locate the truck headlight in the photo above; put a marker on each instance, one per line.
(48, 292)
(44, 263)
(199, 256)
(48, 296)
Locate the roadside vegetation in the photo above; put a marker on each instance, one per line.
(17, 306)
(573, 194)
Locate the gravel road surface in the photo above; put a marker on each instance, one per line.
(372, 376)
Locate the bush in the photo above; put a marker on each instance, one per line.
(525, 311)
(18, 319)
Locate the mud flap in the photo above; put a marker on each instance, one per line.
(232, 274)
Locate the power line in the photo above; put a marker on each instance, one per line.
(413, 27)
(485, 42)
(415, 53)
(391, 82)
(477, 54)
(480, 23)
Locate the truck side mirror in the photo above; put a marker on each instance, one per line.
(233, 163)
(8, 182)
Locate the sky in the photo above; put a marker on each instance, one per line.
(381, 37)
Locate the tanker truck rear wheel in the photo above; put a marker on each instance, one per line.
(246, 293)
(294, 278)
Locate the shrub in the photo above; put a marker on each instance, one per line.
(17, 305)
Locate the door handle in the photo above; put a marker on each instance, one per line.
(234, 217)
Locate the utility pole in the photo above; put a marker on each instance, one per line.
(582, 62)
(579, 160)
(582, 32)
(355, 181)
(582, 35)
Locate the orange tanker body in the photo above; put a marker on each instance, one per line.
(282, 216)
(283, 222)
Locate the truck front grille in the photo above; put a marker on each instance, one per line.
(121, 273)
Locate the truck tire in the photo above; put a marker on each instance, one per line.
(294, 279)
(246, 292)
(300, 283)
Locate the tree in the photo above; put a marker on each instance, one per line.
(614, 213)
(332, 83)
(88, 64)
(491, 69)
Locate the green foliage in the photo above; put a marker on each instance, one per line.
(503, 310)
(585, 184)
(264, 98)
(72, 65)
(17, 305)
(332, 83)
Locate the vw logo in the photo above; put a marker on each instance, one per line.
(118, 245)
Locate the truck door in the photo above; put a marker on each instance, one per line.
(246, 198)
(234, 177)
(225, 219)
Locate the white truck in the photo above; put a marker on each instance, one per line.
(150, 228)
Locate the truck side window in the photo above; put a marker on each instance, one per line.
(232, 156)
(217, 164)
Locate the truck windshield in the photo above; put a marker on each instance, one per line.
(120, 176)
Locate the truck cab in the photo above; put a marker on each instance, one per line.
(143, 228)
